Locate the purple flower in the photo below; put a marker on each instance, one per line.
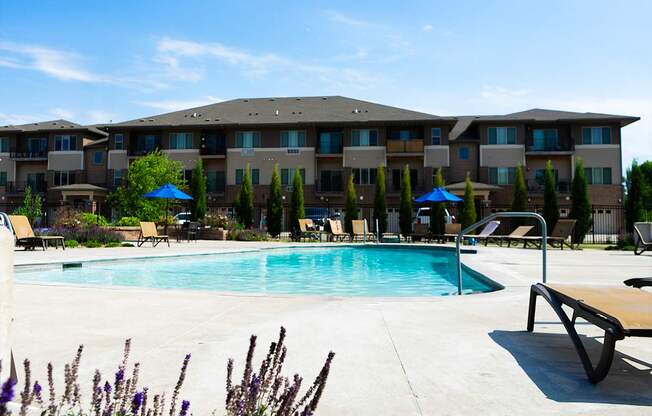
(37, 388)
(137, 402)
(188, 356)
(119, 376)
(107, 388)
(185, 405)
(7, 391)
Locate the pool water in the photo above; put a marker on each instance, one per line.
(335, 271)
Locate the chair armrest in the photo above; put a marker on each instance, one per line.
(639, 282)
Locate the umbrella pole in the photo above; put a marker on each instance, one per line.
(166, 217)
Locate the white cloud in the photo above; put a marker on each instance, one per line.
(14, 119)
(175, 105)
(427, 28)
(502, 95)
(339, 17)
(63, 113)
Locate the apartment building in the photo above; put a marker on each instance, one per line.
(328, 139)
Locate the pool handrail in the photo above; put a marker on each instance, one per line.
(460, 236)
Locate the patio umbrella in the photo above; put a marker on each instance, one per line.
(439, 195)
(167, 192)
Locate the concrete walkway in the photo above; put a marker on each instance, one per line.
(396, 356)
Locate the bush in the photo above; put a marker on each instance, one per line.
(113, 244)
(71, 243)
(128, 222)
(84, 234)
(217, 221)
(88, 218)
(92, 244)
(127, 245)
(67, 217)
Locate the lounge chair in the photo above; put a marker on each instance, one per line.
(25, 235)
(642, 237)
(620, 311)
(515, 236)
(307, 230)
(486, 233)
(421, 232)
(337, 232)
(452, 231)
(148, 232)
(361, 231)
(561, 234)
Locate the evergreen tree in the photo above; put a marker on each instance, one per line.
(198, 191)
(438, 209)
(469, 215)
(275, 205)
(351, 206)
(297, 210)
(634, 208)
(246, 200)
(380, 201)
(581, 204)
(405, 206)
(550, 203)
(519, 198)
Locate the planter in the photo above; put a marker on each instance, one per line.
(214, 234)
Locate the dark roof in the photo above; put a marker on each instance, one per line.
(543, 115)
(283, 110)
(51, 125)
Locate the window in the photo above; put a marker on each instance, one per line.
(119, 141)
(540, 176)
(330, 142)
(215, 181)
(397, 175)
(4, 144)
(117, 178)
(255, 176)
(293, 138)
(545, 139)
(147, 143)
(65, 142)
(463, 153)
(63, 178)
(287, 176)
(596, 135)
(502, 176)
(3, 178)
(180, 140)
(407, 134)
(435, 136)
(598, 176)
(364, 137)
(37, 144)
(36, 181)
(364, 176)
(97, 157)
(247, 139)
(331, 181)
(213, 144)
(502, 135)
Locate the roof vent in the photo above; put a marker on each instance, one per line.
(246, 101)
(271, 99)
(54, 123)
(293, 112)
(151, 119)
(355, 111)
(323, 98)
(256, 113)
(207, 119)
(298, 99)
(276, 112)
(299, 112)
(141, 120)
(194, 115)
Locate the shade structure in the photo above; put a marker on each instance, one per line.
(439, 195)
(167, 192)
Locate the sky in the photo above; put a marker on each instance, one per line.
(96, 62)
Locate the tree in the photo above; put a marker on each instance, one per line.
(438, 209)
(198, 191)
(144, 175)
(519, 197)
(634, 208)
(275, 205)
(297, 211)
(550, 203)
(581, 204)
(351, 206)
(32, 206)
(469, 215)
(246, 200)
(380, 201)
(405, 205)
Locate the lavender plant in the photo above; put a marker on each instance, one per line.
(264, 392)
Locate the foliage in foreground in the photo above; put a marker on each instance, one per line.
(32, 206)
(83, 235)
(260, 393)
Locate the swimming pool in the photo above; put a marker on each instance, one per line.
(332, 271)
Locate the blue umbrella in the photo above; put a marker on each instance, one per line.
(167, 191)
(439, 195)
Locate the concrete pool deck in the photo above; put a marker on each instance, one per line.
(394, 356)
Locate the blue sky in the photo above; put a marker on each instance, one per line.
(120, 60)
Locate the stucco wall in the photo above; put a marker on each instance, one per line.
(66, 160)
(364, 156)
(264, 160)
(436, 156)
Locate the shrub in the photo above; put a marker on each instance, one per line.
(438, 209)
(469, 214)
(297, 210)
(71, 243)
(217, 221)
(128, 222)
(380, 200)
(88, 218)
(113, 244)
(262, 392)
(250, 235)
(127, 245)
(245, 200)
(198, 191)
(84, 234)
(581, 209)
(275, 204)
(550, 203)
(351, 206)
(32, 204)
(92, 244)
(67, 217)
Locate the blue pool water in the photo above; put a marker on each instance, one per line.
(337, 271)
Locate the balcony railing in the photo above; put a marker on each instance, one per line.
(19, 187)
(550, 147)
(41, 154)
(405, 146)
(329, 188)
(212, 150)
(141, 151)
(562, 187)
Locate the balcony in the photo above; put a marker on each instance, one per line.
(336, 187)
(330, 150)
(19, 187)
(206, 150)
(550, 146)
(38, 155)
(562, 187)
(140, 151)
(405, 146)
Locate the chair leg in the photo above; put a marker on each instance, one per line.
(594, 374)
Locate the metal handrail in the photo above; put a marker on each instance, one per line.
(460, 236)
